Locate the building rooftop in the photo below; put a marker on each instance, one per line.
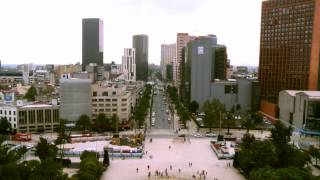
(308, 93)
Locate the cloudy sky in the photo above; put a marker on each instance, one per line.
(43, 31)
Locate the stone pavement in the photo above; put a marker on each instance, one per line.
(197, 151)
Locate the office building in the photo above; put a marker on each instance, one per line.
(205, 62)
(92, 42)
(182, 41)
(168, 55)
(31, 117)
(169, 72)
(75, 98)
(111, 98)
(128, 67)
(301, 110)
(141, 45)
(289, 50)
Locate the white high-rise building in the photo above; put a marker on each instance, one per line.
(128, 66)
(168, 55)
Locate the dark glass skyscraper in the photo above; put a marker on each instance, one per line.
(140, 43)
(92, 42)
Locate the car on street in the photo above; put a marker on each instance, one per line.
(210, 134)
(197, 135)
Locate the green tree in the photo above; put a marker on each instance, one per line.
(290, 173)
(45, 150)
(84, 123)
(213, 112)
(101, 123)
(5, 126)
(115, 123)
(194, 106)
(247, 122)
(9, 159)
(48, 169)
(31, 94)
(315, 153)
(256, 117)
(229, 121)
(280, 137)
(90, 167)
(63, 137)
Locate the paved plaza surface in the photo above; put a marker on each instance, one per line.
(181, 153)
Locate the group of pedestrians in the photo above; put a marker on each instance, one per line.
(190, 164)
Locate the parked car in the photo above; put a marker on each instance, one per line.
(209, 134)
(197, 135)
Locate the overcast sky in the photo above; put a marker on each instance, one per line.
(44, 32)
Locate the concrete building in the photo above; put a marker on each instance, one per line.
(61, 71)
(111, 98)
(95, 72)
(182, 41)
(128, 67)
(289, 50)
(75, 98)
(205, 62)
(141, 44)
(241, 93)
(31, 117)
(92, 42)
(168, 55)
(44, 76)
(301, 109)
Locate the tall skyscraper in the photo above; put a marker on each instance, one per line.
(92, 42)
(168, 55)
(205, 62)
(289, 49)
(182, 41)
(140, 43)
(128, 66)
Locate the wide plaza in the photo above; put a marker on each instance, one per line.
(160, 157)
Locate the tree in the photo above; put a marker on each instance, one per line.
(256, 117)
(83, 123)
(31, 94)
(106, 159)
(63, 137)
(194, 106)
(290, 173)
(101, 122)
(280, 137)
(8, 160)
(115, 123)
(315, 153)
(48, 169)
(5, 126)
(247, 122)
(213, 112)
(45, 150)
(90, 167)
(229, 121)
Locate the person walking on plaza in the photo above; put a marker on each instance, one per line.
(148, 167)
(137, 170)
(169, 147)
(170, 167)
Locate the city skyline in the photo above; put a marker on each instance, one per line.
(36, 33)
